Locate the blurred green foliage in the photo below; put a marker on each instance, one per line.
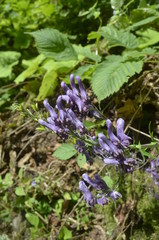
(129, 26)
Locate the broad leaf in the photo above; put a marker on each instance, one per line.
(62, 67)
(108, 181)
(147, 38)
(86, 52)
(32, 219)
(48, 85)
(85, 71)
(81, 160)
(30, 70)
(65, 234)
(119, 37)
(65, 151)
(8, 59)
(54, 44)
(19, 191)
(112, 73)
(143, 22)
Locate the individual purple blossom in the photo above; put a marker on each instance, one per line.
(33, 184)
(88, 197)
(111, 135)
(108, 145)
(154, 171)
(83, 91)
(73, 86)
(98, 183)
(111, 161)
(114, 195)
(79, 125)
(102, 200)
(125, 140)
(50, 109)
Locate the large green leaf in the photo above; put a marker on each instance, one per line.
(48, 85)
(143, 22)
(117, 37)
(147, 38)
(54, 44)
(65, 151)
(8, 59)
(112, 73)
(32, 219)
(30, 70)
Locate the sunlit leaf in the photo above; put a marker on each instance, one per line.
(19, 191)
(111, 74)
(30, 70)
(65, 234)
(147, 38)
(8, 59)
(117, 37)
(54, 44)
(65, 151)
(48, 85)
(32, 219)
(81, 160)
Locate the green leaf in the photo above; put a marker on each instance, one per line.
(58, 206)
(32, 219)
(31, 69)
(112, 73)
(8, 59)
(54, 44)
(81, 160)
(147, 38)
(65, 151)
(19, 191)
(20, 173)
(117, 37)
(138, 55)
(62, 67)
(65, 234)
(85, 71)
(143, 22)
(116, 4)
(86, 52)
(8, 182)
(48, 85)
(108, 181)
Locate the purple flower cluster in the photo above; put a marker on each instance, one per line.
(98, 184)
(71, 108)
(66, 120)
(111, 150)
(154, 171)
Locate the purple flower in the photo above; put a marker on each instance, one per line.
(98, 183)
(88, 197)
(125, 140)
(112, 136)
(64, 87)
(102, 200)
(83, 91)
(108, 145)
(50, 109)
(114, 195)
(154, 171)
(73, 86)
(111, 161)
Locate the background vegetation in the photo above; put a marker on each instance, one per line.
(113, 46)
